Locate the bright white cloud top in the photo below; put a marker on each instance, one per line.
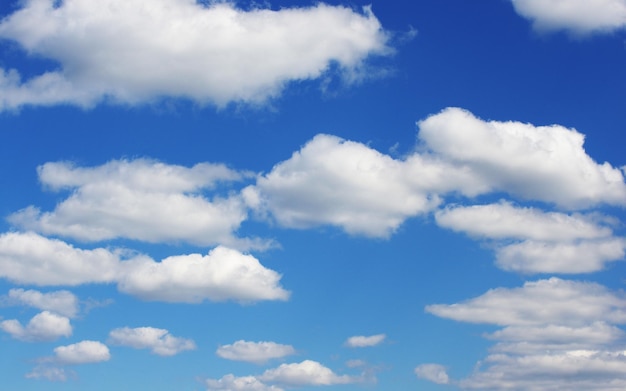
(255, 352)
(45, 326)
(210, 53)
(159, 341)
(84, 352)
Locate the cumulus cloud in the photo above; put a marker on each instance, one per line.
(305, 373)
(576, 16)
(555, 335)
(45, 326)
(207, 52)
(542, 242)
(223, 274)
(140, 199)
(61, 302)
(434, 372)
(361, 341)
(84, 352)
(159, 341)
(255, 352)
(244, 383)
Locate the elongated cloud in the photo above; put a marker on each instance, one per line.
(255, 352)
(361, 341)
(61, 302)
(159, 341)
(142, 200)
(45, 326)
(577, 16)
(223, 274)
(231, 382)
(210, 53)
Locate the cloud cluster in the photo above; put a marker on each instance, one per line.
(255, 352)
(45, 326)
(222, 274)
(159, 341)
(208, 52)
(555, 334)
(576, 16)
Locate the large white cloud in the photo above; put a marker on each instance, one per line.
(555, 335)
(255, 352)
(577, 16)
(45, 326)
(543, 242)
(210, 53)
(223, 274)
(159, 341)
(140, 199)
(61, 302)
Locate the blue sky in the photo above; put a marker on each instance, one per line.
(294, 195)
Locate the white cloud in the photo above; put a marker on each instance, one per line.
(204, 51)
(306, 373)
(142, 200)
(546, 242)
(223, 274)
(433, 372)
(255, 352)
(45, 326)
(543, 163)
(49, 373)
(62, 302)
(243, 383)
(84, 352)
(556, 335)
(577, 16)
(360, 341)
(159, 341)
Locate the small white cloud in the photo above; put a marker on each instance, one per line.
(255, 352)
(306, 373)
(433, 372)
(50, 373)
(61, 302)
(159, 341)
(576, 16)
(360, 341)
(45, 326)
(244, 383)
(84, 352)
(204, 51)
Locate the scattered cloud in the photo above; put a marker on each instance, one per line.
(159, 341)
(433, 372)
(45, 326)
(255, 352)
(305, 373)
(244, 383)
(204, 50)
(360, 341)
(576, 16)
(63, 302)
(84, 352)
(222, 274)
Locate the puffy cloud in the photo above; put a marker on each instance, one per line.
(223, 274)
(62, 302)
(84, 352)
(243, 383)
(142, 200)
(577, 16)
(306, 373)
(544, 163)
(360, 341)
(434, 372)
(547, 242)
(205, 51)
(159, 341)
(556, 335)
(45, 326)
(256, 352)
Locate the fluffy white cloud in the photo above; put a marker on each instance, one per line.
(45, 326)
(548, 242)
(243, 383)
(205, 51)
(256, 352)
(360, 341)
(577, 16)
(544, 163)
(142, 200)
(306, 373)
(434, 372)
(223, 274)
(84, 352)
(556, 335)
(61, 302)
(159, 341)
